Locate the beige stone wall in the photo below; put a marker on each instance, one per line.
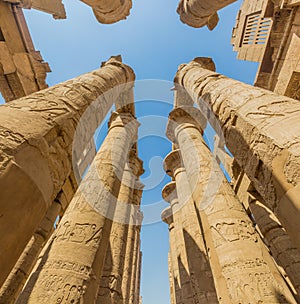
(251, 32)
(279, 70)
(22, 69)
(53, 7)
(36, 137)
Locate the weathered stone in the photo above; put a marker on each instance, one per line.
(238, 258)
(111, 11)
(110, 290)
(18, 276)
(197, 284)
(268, 32)
(133, 237)
(167, 217)
(198, 13)
(254, 121)
(22, 69)
(36, 135)
(75, 259)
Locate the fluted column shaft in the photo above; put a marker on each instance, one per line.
(110, 11)
(202, 288)
(254, 123)
(198, 13)
(36, 137)
(238, 256)
(74, 262)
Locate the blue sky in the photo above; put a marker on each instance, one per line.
(153, 42)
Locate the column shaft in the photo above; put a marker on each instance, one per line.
(201, 288)
(254, 121)
(135, 220)
(21, 271)
(175, 235)
(167, 217)
(111, 281)
(75, 259)
(278, 241)
(241, 265)
(198, 13)
(36, 137)
(135, 267)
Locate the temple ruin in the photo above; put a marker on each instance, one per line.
(70, 214)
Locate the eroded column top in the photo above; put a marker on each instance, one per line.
(110, 11)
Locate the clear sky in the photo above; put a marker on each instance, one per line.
(153, 42)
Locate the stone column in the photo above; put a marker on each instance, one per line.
(278, 241)
(137, 291)
(242, 267)
(135, 265)
(36, 137)
(74, 261)
(254, 121)
(110, 11)
(274, 235)
(177, 251)
(111, 281)
(16, 279)
(167, 217)
(198, 13)
(201, 283)
(135, 220)
(171, 279)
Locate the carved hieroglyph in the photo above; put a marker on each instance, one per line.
(110, 11)
(72, 271)
(167, 217)
(21, 271)
(197, 284)
(110, 290)
(284, 252)
(133, 239)
(242, 267)
(255, 123)
(198, 13)
(36, 136)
